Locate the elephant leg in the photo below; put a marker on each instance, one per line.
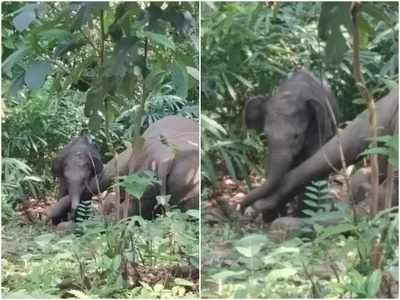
(58, 212)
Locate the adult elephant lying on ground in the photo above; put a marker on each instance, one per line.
(353, 139)
(297, 121)
(170, 150)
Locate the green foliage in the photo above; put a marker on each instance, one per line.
(93, 264)
(217, 146)
(16, 180)
(38, 123)
(389, 149)
(136, 184)
(248, 48)
(107, 51)
(336, 263)
(319, 208)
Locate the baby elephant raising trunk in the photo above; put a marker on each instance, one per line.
(76, 165)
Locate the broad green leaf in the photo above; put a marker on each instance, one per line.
(160, 39)
(43, 241)
(36, 74)
(183, 282)
(25, 17)
(55, 34)
(122, 58)
(251, 244)
(333, 16)
(373, 283)
(14, 58)
(335, 230)
(180, 79)
(86, 13)
(226, 274)
(136, 184)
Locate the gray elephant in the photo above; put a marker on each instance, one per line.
(351, 141)
(297, 120)
(170, 149)
(76, 165)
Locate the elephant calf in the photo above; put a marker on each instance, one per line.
(297, 120)
(76, 165)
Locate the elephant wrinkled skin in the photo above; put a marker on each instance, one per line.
(297, 120)
(76, 165)
(353, 140)
(170, 150)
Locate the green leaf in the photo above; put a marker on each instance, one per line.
(243, 80)
(283, 273)
(335, 230)
(312, 189)
(195, 213)
(308, 212)
(136, 184)
(333, 16)
(17, 84)
(229, 164)
(55, 34)
(153, 81)
(43, 241)
(375, 151)
(180, 79)
(213, 126)
(373, 284)
(25, 17)
(193, 72)
(160, 39)
(311, 203)
(36, 74)
(226, 274)
(94, 107)
(311, 196)
(86, 13)
(251, 244)
(122, 58)
(15, 57)
(183, 282)
(231, 91)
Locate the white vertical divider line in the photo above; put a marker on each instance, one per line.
(199, 101)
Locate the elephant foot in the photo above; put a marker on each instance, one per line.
(265, 205)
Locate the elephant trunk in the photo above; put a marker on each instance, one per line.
(278, 166)
(74, 190)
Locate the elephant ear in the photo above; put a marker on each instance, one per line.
(323, 116)
(254, 112)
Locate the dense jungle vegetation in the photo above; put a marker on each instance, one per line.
(248, 49)
(108, 70)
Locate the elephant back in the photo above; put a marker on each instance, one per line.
(170, 147)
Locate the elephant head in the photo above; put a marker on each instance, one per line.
(76, 165)
(297, 120)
